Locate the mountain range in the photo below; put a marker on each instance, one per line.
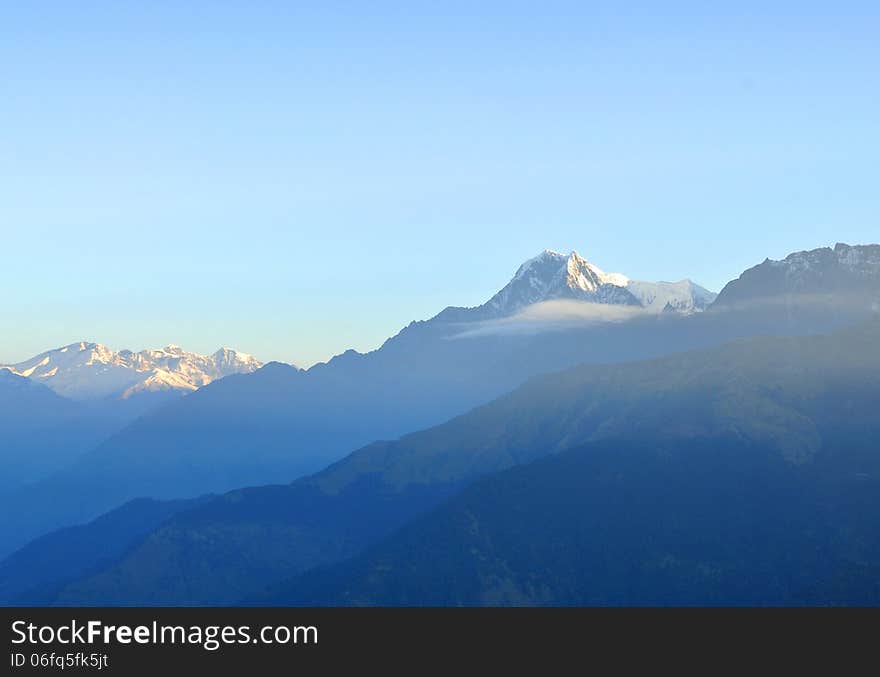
(282, 422)
(83, 370)
(250, 428)
(667, 470)
(87, 371)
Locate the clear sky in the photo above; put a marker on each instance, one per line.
(293, 178)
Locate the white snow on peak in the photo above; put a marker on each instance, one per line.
(552, 275)
(87, 370)
(544, 256)
(855, 258)
(683, 296)
(617, 279)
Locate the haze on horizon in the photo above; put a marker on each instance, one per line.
(295, 181)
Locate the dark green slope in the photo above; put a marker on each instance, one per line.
(711, 521)
(234, 545)
(796, 397)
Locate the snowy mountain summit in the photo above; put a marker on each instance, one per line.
(91, 370)
(853, 270)
(552, 276)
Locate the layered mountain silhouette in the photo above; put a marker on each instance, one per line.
(25, 405)
(30, 414)
(43, 432)
(280, 422)
(644, 447)
(65, 402)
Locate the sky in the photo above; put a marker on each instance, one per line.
(296, 179)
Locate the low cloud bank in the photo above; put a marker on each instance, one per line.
(554, 316)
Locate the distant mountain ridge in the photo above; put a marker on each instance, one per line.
(843, 269)
(87, 370)
(553, 276)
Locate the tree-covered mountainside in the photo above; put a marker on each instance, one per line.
(796, 399)
(634, 521)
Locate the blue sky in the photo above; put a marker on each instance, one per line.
(293, 179)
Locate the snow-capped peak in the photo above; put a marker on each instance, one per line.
(234, 361)
(551, 276)
(852, 269)
(617, 279)
(86, 370)
(575, 265)
(683, 297)
(548, 255)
